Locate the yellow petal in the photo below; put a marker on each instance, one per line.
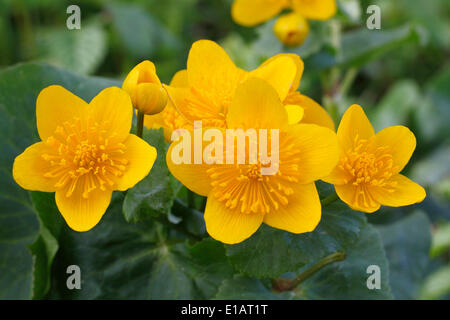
(147, 72)
(253, 12)
(318, 148)
(151, 98)
(169, 119)
(155, 121)
(180, 79)
(401, 142)
(179, 99)
(354, 123)
(213, 79)
(112, 108)
(131, 81)
(359, 199)
(256, 105)
(280, 73)
(313, 112)
(403, 192)
(302, 213)
(192, 175)
(315, 9)
(54, 106)
(83, 214)
(143, 72)
(29, 168)
(210, 68)
(299, 67)
(338, 175)
(295, 113)
(229, 226)
(140, 156)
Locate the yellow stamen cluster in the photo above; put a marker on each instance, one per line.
(366, 165)
(85, 157)
(212, 105)
(243, 184)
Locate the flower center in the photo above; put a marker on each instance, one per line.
(172, 119)
(81, 156)
(367, 165)
(211, 98)
(243, 187)
(210, 107)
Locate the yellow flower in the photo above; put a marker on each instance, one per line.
(145, 88)
(368, 172)
(170, 119)
(86, 152)
(211, 79)
(240, 198)
(291, 29)
(253, 12)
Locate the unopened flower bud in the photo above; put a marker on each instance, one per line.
(145, 89)
(291, 29)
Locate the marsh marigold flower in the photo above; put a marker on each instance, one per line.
(291, 29)
(368, 172)
(86, 152)
(240, 198)
(254, 12)
(145, 89)
(211, 79)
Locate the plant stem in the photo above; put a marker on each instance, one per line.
(330, 199)
(334, 257)
(348, 80)
(283, 284)
(140, 124)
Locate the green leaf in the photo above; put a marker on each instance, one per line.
(81, 50)
(271, 252)
(407, 245)
(244, 288)
(45, 247)
(433, 168)
(397, 105)
(156, 192)
(433, 118)
(119, 260)
(441, 239)
(361, 46)
(436, 285)
(19, 225)
(347, 279)
(49, 215)
(190, 219)
(44, 250)
(139, 31)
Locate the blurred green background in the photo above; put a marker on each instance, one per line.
(399, 74)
